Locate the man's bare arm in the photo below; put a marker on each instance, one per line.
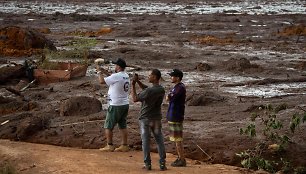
(102, 73)
(134, 94)
(136, 79)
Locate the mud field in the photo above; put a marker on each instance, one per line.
(236, 56)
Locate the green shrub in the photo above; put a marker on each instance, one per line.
(276, 139)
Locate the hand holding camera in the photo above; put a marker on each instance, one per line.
(135, 79)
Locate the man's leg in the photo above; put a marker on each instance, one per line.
(145, 137)
(109, 136)
(158, 135)
(108, 126)
(124, 136)
(180, 149)
(122, 113)
(124, 146)
(176, 135)
(180, 162)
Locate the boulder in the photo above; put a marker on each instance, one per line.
(204, 99)
(17, 41)
(203, 67)
(80, 106)
(240, 64)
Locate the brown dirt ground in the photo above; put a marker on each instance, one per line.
(213, 117)
(38, 158)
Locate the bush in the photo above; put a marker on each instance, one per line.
(275, 141)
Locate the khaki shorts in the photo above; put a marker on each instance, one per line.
(116, 115)
(175, 131)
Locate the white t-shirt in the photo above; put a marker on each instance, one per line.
(119, 85)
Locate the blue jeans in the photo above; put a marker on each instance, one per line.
(154, 126)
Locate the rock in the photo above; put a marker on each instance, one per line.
(11, 105)
(44, 30)
(30, 126)
(17, 41)
(203, 99)
(238, 64)
(301, 66)
(203, 67)
(80, 106)
(11, 72)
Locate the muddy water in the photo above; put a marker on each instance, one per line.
(154, 8)
(216, 79)
(245, 7)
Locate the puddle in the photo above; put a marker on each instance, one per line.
(257, 36)
(196, 78)
(268, 91)
(272, 56)
(95, 8)
(258, 25)
(273, 90)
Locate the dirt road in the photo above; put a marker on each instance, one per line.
(38, 158)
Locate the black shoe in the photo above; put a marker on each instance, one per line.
(147, 167)
(162, 166)
(174, 163)
(179, 163)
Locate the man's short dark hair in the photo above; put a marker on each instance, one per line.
(120, 62)
(157, 73)
(176, 73)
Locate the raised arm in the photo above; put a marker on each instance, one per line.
(134, 94)
(141, 85)
(102, 73)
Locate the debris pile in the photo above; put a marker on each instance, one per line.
(17, 41)
(295, 30)
(97, 33)
(240, 64)
(214, 40)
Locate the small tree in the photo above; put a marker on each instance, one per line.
(275, 139)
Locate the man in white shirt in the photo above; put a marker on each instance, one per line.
(118, 98)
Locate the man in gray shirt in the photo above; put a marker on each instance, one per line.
(150, 116)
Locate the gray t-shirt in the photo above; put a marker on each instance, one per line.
(151, 99)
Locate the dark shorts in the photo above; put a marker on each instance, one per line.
(116, 115)
(176, 131)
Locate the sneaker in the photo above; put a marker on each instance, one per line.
(122, 148)
(147, 167)
(162, 166)
(107, 148)
(179, 163)
(177, 159)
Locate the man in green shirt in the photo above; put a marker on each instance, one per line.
(150, 116)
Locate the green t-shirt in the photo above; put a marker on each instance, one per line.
(151, 99)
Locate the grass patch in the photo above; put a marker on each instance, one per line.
(82, 43)
(78, 51)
